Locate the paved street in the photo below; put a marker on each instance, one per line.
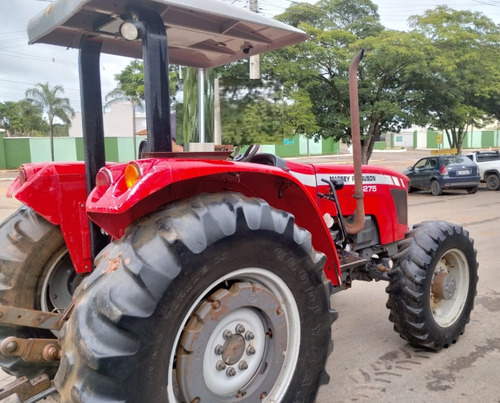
(370, 362)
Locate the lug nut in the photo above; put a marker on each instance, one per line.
(240, 329)
(243, 365)
(250, 350)
(227, 334)
(219, 349)
(220, 366)
(249, 336)
(231, 371)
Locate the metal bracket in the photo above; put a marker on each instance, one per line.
(30, 318)
(29, 391)
(31, 350)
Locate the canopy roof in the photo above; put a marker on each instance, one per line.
(201, 33)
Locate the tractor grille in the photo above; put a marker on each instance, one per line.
(400, 198)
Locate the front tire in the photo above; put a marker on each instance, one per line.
(219, 298)
(36, 273)
(433, 284)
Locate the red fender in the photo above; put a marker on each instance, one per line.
(57, 192)
(115, 206)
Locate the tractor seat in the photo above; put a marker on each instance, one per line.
(269, 159)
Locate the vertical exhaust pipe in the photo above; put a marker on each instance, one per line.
(358, 222)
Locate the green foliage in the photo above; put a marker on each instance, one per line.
(298, 116)
(320, 67)
(251, 112)
(441, 73)
(131, 84)
(47, 99)
(22, 118)
(464, 87)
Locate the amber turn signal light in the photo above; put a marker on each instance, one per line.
(131, 174)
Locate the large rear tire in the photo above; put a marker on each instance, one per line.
(433, 284)
(36, 273)
(219, 298)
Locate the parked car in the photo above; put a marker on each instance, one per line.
(440, 172)
(489, 167)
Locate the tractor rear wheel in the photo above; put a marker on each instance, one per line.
(36, 273)
(219, 298)
(433, 284)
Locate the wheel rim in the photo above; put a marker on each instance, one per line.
(435, 188)
(449, 287)
(493, 182)
(238, 341)
(59, 283)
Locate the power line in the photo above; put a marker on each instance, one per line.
(27, 83)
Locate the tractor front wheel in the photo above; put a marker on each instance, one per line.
(219, 298)
(433, 284)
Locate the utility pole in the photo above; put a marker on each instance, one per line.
(254, 60)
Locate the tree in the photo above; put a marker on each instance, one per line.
(131, 82)
(464, 88)
(394, 63)
(442, 72)
(46, 99)
(252, 111)
(298, 117)
(22, 118)
(289, 107)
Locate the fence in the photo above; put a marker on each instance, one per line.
(15, 151)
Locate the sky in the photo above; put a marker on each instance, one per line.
(22, 66)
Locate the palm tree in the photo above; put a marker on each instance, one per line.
(48, 101)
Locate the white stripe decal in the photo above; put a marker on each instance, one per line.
(368, 179)
(305, 179)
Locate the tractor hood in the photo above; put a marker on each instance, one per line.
(201, 33)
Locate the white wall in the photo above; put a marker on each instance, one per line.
(118, 121)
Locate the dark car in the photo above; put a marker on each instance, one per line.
(440, 172)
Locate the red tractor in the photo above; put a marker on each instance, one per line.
(193, 277)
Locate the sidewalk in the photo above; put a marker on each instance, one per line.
(8, 174)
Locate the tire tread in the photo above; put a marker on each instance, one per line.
(99, 344)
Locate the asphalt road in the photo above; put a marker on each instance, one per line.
(370, 362)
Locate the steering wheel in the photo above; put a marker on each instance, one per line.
(249, 153)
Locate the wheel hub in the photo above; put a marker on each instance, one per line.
(444, 286)
(233, 346)
(233, 349)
